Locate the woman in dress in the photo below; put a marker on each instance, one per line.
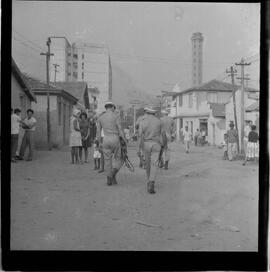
(75, 140)
(252, 145)
(85, 133)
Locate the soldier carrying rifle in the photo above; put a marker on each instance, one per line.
(109, 121)
(154, 139)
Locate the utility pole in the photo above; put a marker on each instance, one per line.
(242, 64)
(55, 71)
(232, 72)
(48, 54)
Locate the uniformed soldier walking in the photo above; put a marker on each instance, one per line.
(153, 138)
(140, 151)
(169, 129)
(110, 123)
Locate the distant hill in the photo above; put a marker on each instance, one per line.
(124, 89)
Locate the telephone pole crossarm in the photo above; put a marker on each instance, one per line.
(242, 64)
(48, 54)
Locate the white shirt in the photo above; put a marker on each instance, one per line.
(187, 135)
(15, 123)
(29, 122)
(246, 131)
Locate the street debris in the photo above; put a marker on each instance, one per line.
(148, 225)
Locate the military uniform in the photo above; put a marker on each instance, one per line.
(150, 132)
(110, 123)
(169, 128)
(140, 149)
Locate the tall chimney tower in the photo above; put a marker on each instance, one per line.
(197, 42)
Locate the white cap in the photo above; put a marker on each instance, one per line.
(109, 103)
(150, 109)
(164, 112)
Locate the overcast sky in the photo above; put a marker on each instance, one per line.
(149, 41)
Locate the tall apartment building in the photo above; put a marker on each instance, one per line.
(197, 44)
(65, 55)
(94, 67)
(83, 62)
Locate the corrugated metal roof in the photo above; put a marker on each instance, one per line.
(77, 89)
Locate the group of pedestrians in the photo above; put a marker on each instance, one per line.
(82, 137)
(251, 143)
(28, 124)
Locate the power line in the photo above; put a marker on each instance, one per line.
(25, 44)
(34, 44)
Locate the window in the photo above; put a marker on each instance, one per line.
(82, 75)
(212, 97)
(75, 56)
(82, 56)
(69, 64)
(75, 74)
(69, 73)
(190, 100)
(82, 65)
(180, 101)
(69, 54)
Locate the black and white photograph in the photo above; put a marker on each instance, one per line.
(135, 126)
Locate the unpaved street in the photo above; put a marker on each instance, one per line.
(201, 203)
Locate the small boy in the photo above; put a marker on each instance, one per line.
(225, 147)
(97, 155)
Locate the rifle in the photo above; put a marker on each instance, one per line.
(160, 157)
(124, 157)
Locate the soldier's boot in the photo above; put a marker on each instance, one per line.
(114, 181)
(101, 170)
(109, 180)
(95, 161)
(166, 165)
(151, 187)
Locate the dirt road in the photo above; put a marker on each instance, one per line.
(202, 203)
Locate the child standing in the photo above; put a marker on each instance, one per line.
(252, 145)
(97, 155)
(225, 147)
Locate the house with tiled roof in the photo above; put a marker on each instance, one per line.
(62, 103)
(22, 96)
(77, 89)
(202, 107)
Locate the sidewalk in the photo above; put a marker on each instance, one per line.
(202, 203)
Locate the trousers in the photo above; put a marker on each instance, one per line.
(27, 141)
(151, 153)
(187, 145)
(111, 153)
(231, 150)
(14, 144)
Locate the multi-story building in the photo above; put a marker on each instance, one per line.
(94, 67)
(83, 62)
(65, 56)
(197, 71)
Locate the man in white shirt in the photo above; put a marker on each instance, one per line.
(247, 129)
(15, 129)
(29, 125)
(187, 138)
